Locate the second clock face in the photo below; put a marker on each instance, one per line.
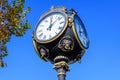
(50, 26)
(81, 32)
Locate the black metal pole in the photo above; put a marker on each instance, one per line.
(61, 77)
(61, 73)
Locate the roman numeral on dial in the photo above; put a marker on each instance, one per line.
(62, 22)
(44, 37)
(41, 35)
(60, 28)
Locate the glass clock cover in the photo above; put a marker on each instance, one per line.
(81, 32)
(50, 27)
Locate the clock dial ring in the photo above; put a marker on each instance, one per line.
(80, 32)
(57, 23)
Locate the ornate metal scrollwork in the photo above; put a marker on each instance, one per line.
(66, 44)
(44, 52)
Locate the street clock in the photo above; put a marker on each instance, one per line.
(60, 31)
(60, 37)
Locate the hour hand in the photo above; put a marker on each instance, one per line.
(50, 26)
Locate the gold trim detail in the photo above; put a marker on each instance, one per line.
(36, 49)
(66, 44)
(61, 10)
(61, 64)
(76, 36)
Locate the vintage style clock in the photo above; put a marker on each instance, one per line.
(80, 32)
(50, 27)
(60, 34)
(60, 37)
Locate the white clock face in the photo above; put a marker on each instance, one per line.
(50, 26)
(81, 32)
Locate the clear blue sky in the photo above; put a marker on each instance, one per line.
(102, 59)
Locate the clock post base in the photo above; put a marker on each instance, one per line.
(61, 68)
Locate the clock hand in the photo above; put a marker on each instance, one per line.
(51, 24)
(49, 28)
(54, 22)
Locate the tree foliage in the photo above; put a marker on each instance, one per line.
(12, 22)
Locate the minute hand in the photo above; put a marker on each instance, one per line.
(49, 28)
(54, 22)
